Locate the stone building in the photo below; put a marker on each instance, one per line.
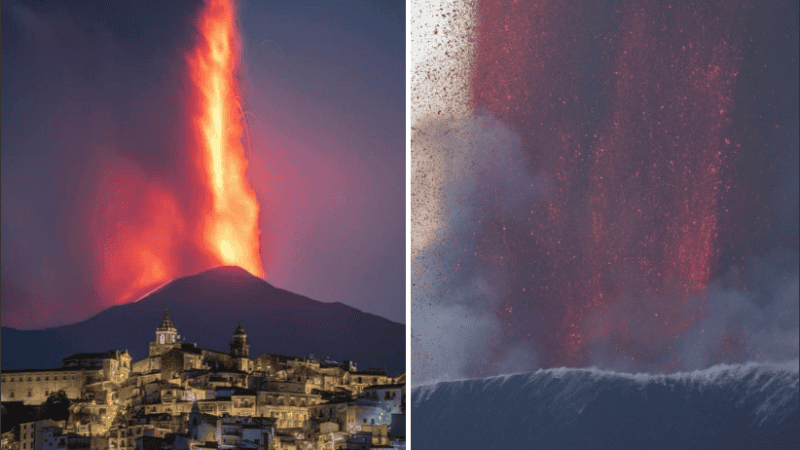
(229, 432)
(240, 350)
(32, 387)
(288, 409)
(166, 337)
(273, 402)
(364, 378)
(169, 355)
(124, 436)
(114, 364)
(9, 441)
(48, 435)
(389, 397)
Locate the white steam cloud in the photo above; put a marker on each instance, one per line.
(464, 171)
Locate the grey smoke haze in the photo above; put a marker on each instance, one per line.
(755, 310)
(481, 172)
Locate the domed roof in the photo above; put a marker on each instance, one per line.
(166, 323)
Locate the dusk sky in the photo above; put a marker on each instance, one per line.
(608, 184)
(96, 120)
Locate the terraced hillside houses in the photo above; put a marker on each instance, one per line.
(184, 397)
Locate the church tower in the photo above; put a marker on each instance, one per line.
(166, 336)
(240, 350)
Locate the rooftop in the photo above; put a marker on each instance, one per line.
(110, 354)
(371, 371)
(60, 369)
(166, 322)
(384, 386)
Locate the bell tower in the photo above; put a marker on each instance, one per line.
(240, 349)
(166, 336)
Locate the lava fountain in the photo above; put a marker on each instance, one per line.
(145, 230)
(626, 114)
(627, 240)
(230, 229)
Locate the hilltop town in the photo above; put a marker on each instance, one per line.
(184, 397)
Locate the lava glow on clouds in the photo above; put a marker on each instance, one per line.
(641, 129)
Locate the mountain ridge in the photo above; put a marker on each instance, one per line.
(206, 308)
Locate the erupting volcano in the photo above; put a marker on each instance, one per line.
(145, 235)
(591, 196)
(231, 229)
(143, 144)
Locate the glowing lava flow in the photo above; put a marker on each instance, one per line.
(231, 230)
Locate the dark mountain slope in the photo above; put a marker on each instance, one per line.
(205, 308)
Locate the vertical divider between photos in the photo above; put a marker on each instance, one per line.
(408, 221)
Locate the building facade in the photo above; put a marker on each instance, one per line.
(32, 387)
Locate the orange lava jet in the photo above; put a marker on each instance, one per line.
(230, 229)
(142, 231)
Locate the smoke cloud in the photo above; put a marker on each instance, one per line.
(465, 172)
(749, 315)
(467, 176)
(662, 138)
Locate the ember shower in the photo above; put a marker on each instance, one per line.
(639, 223)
